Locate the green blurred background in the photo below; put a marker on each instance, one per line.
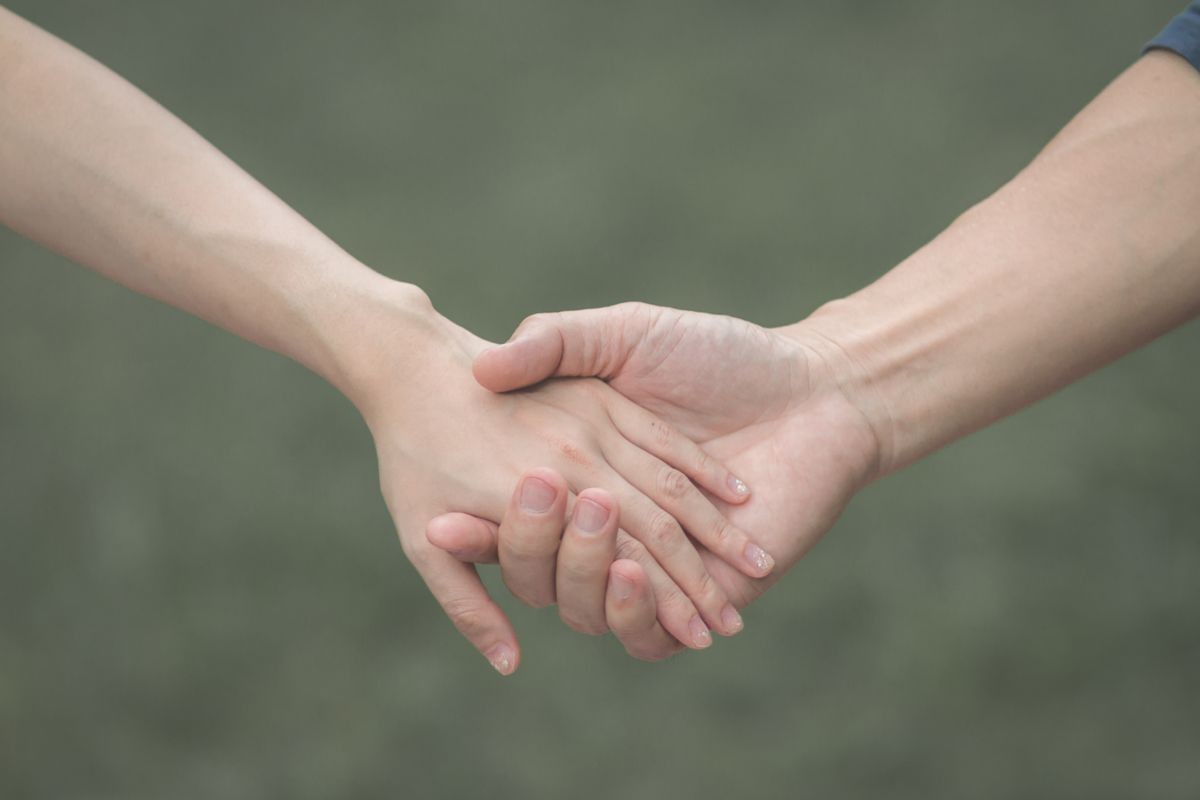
(201, 595)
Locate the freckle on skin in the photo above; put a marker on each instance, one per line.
(573, 453)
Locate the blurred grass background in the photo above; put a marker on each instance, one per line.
(201, 596)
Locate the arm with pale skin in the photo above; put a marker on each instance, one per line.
(1090, 252)
(92, 168)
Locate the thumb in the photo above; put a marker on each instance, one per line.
(590, 343)
(466, 537)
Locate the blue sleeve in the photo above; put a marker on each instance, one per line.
(1182, 35)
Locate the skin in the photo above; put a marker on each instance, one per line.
(1090, 252)
(573, 553)
(97, 171)
(772, 409)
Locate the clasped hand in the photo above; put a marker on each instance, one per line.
(447, 444)
(684, 396)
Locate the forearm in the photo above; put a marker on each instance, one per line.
(97, 171)
(1092, 251)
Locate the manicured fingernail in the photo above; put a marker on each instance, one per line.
(502, 659)
(700, 635)
(732, 620)
(622, 587)
(758, 558)
(738, 487)
(590, 516)
(537, 496)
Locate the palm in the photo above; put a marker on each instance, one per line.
(763, 404)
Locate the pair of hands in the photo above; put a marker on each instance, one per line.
(713, 399)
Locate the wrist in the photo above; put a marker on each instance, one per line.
(364, 327)
(839, 381)
(830, 339)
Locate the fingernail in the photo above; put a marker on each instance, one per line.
(590, 516)
(622, 587)
(737, 486)
(502, 659)
(758, 558)
(700, 635)
(732, 620)
(537, 496)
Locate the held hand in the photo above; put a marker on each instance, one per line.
(445, 443)
(539, 551)
(769, 404)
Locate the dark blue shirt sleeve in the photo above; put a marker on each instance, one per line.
(1182, 35)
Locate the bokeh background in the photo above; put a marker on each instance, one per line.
(200, 592)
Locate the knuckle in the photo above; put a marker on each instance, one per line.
(588, 627)
(673, 484)
(723, 532)
(661, 434)
(630, 549)
(522, 546)
(535, 599)
(417, 552)
(664, 531)
(671, 597)
(533, 320)
(634, 310)
(410, 550)
(707, 588)
(652, 653)
(540, 600)
(467, 616)
(575, 572)
(533, 596)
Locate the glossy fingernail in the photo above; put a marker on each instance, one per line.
(732, 620)
(758, 558)
(737, 486)
(502, 658)
(622, 587)
(537, 496)
(590, 516)
(700, 635)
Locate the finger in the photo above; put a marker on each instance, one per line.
(467, 538)
(654, 436)
(679, 497)
(666, 541)
(676, 612)
(592, 343)
(588, 547)
(631, 614)
(457, 588)
(530, 534)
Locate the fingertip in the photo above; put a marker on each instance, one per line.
(504, 657)
(463, 536)
(601, 496)
(632, 615)
(629, 568)
(595, 512)
(550, 476)
(758, 563)
(625, 579)
(524, 360)
(445, 532)
(736, 490)
(489, 369)
(540, 491)
(725, 485)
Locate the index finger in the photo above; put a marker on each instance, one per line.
(457, 588)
